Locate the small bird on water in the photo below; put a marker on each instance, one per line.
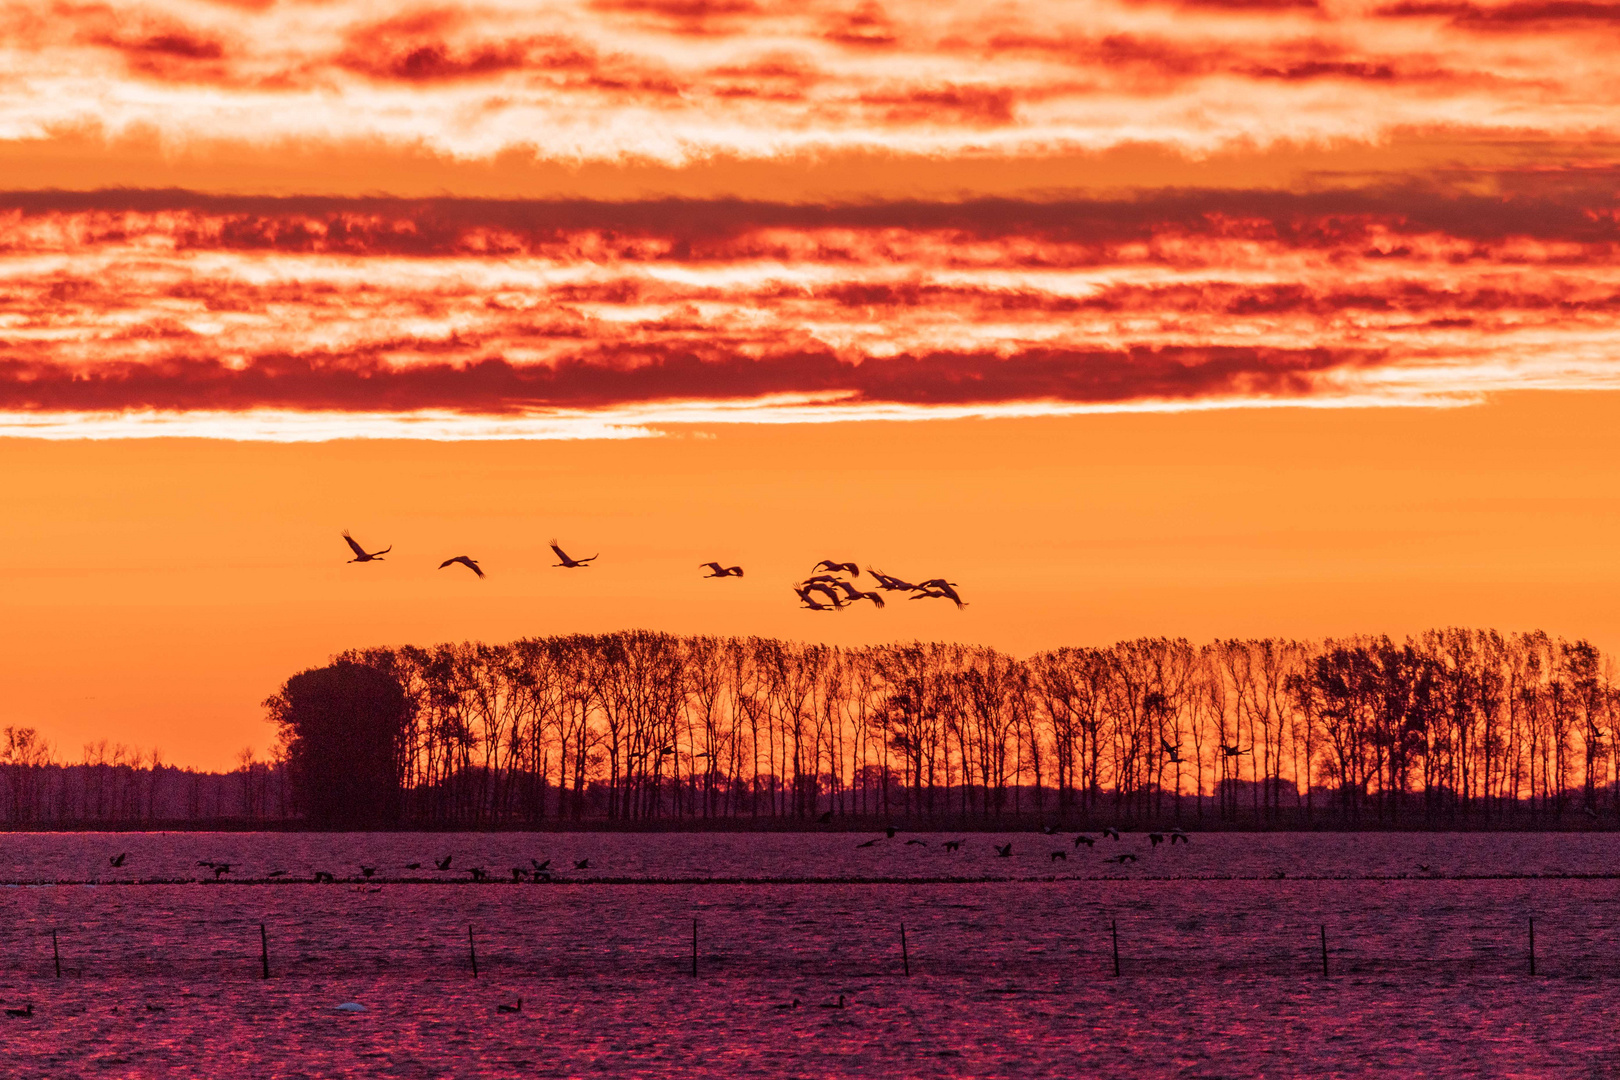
(510, 1008)
(26, 1010)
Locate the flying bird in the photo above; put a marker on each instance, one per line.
(1004, 850)
(1155, 839)
(1171, 752)
(718, 571)
(952, 845)
(839, 567)
(855, 594)
(118, 860)
(890, 583)
(1177, 834)
(540, 867)
(582, 864)
(469, 563)
(444, 863)
(361, 554)
(1111, 831)
(566, 561)
(1084, 839)
(811, 602)
(939, 589)
(1233, 751)
(829, 592)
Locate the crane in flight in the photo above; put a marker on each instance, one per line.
(826, 590)
(468, 562)
(809, 601)
(718, 571)
(566, 561)
(853, 594)
(939, 589)
(890, 583)
(838, 567)
(361, 554)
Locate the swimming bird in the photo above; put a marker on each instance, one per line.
(118, 860)
(155, 1008)
(510, 1008)
(1004, 850)
(361, 554)
(718, 571)
(1056, 855)
(1155, 838)
(26, 1010)
(566, 561)
(839, 567)
(839, 1004)
(350, 1007)
(442, 864)
(469, 563)
(1122, 858)
(1177, 834)
(952, 845)
(1086, 840)
(582, 864)
(794, 1004)
(540, 867)
(1109, 830)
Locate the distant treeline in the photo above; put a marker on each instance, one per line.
(122, 786)
(1453, 728)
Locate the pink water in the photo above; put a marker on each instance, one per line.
(1220, 960)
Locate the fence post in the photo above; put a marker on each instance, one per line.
(1113, 929)
(905, 959)
(694, 948)
(1532, 945)
(472, 950)
(56, 955)
(264, 952)
(1324, 951)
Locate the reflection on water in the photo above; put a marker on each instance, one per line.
(1220, 966)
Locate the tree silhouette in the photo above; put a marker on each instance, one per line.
(343, 727)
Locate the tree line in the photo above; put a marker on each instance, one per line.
(1450, 728)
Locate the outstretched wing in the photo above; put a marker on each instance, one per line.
(449, 562)
(713, 566)
(735, 571)
(560, 554)
(354, 547)
(473, 566)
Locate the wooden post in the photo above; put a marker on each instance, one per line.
(56, 955)
(905, 958)
(1324, 951)
(694, 948)
(264, 952)
(472, 950)
(1532, 945)
(1113, 928)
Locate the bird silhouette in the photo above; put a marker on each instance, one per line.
(566, 561)
(1086, 840)
(1177, 834)
(1056, 855)
(276, 873)
(1171, 752)
(868, 843)
(582, 864)
(118, 860)
(479, 873)
(510, 1008)
(853, 594)
(469, 563)
(794, 1004)
(221, 869)
(1122, 858)
(1111, 831)
(540, 867)
(367, 871)
(938, 589)
(1233, 751)
(890, 831)
(828, 591)
(718, 571)
(890, 583)
(839, 1004)
(361, 554)
(922, 843)
(26, 1010)
(952, 845)
(811, 602)
(323, 876)
(838, 567)
(517, 873)
(1004, 850)
(442, 864)
(825, 819)
(1155, 838)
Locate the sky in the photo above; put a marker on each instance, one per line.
(1193, 317)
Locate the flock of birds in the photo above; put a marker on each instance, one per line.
(823, 590)
(836, 593)
(538, 870)
(1005, 851)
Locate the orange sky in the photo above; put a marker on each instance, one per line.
(1200, 317)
